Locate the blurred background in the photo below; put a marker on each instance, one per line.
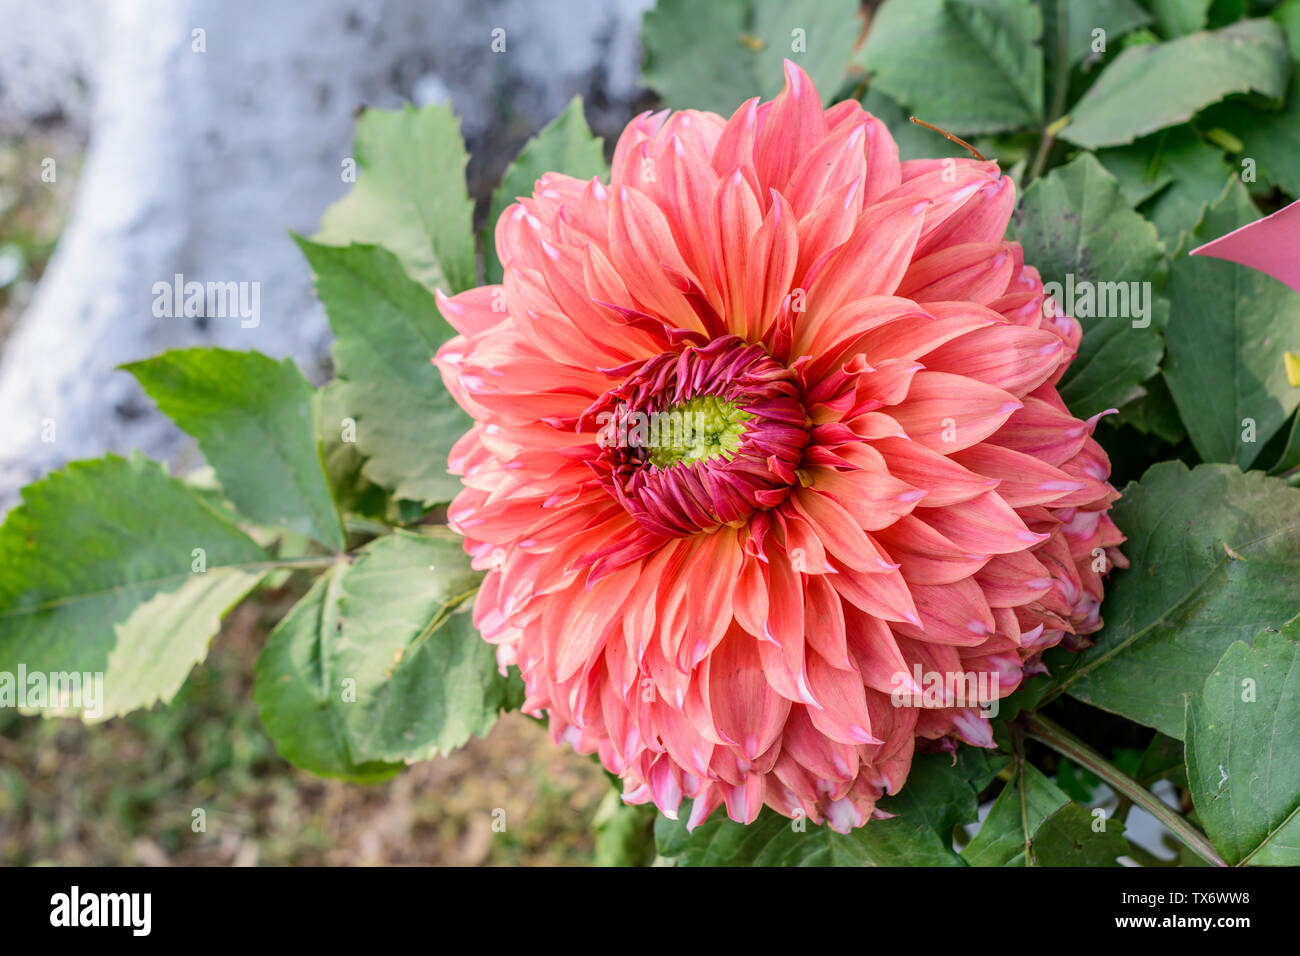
(144, 138)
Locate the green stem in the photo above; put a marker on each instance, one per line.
(1065, 743)
(1060, 88)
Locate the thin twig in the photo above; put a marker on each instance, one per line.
(947, 135)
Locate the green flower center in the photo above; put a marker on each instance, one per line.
(698, 429)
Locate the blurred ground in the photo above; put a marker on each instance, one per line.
(125, 792)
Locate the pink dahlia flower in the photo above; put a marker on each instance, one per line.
(766, 435)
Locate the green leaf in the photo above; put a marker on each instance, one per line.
(388, 329)
(1162, 760)
(295, 696)
(1155, 413)
(1271, 138)
(1290, 456)
(97, 576)
(1068, 838)
(254, 421)
(935, 799)
(1078, 782)
(1175, 18)
(380, 664)
(624, 832)
(1014, 818)
(1187, 174)
(1079, 232)
(1080, 19)
(1230, 329)
(565, 145)
(410, 196)
(968, 66)
(715, 56)
(1214, 557)
(1034, 823)
(1177, 79)
(1243, 752)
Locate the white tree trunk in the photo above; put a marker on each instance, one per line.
(200, 162)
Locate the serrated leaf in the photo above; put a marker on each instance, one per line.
(715, 56)
(565, 145)
(935, 799)
(1187, 175)
(1079, 232)
(1177, 79)
(1214, 556)
(1271, 138)
(254, 421)
(410, 196)
(381, 665)
(96, 577)
(388, 329)
(1230, 328)
(1013, 820)
(167, 629)
(991, 75)
(1243, 753)
(1075, 21)
(294, 692)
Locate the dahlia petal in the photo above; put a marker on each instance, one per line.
(884, 235)
(955, 613)
(843, 715)
(946, 412)
(789, 128)
(747, 713)
(984, 525)
(977, 271)
(1021, 479)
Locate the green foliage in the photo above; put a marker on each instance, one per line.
(992, 63)
(410, 196)
(1215, 555)
(111, 566)
(1177, 79)
(233, 401)
(387, 329)
(1076, 227)
(715, 56)
(379, 664)
(1243, 753)
(1225, 369)
(1034, 823)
